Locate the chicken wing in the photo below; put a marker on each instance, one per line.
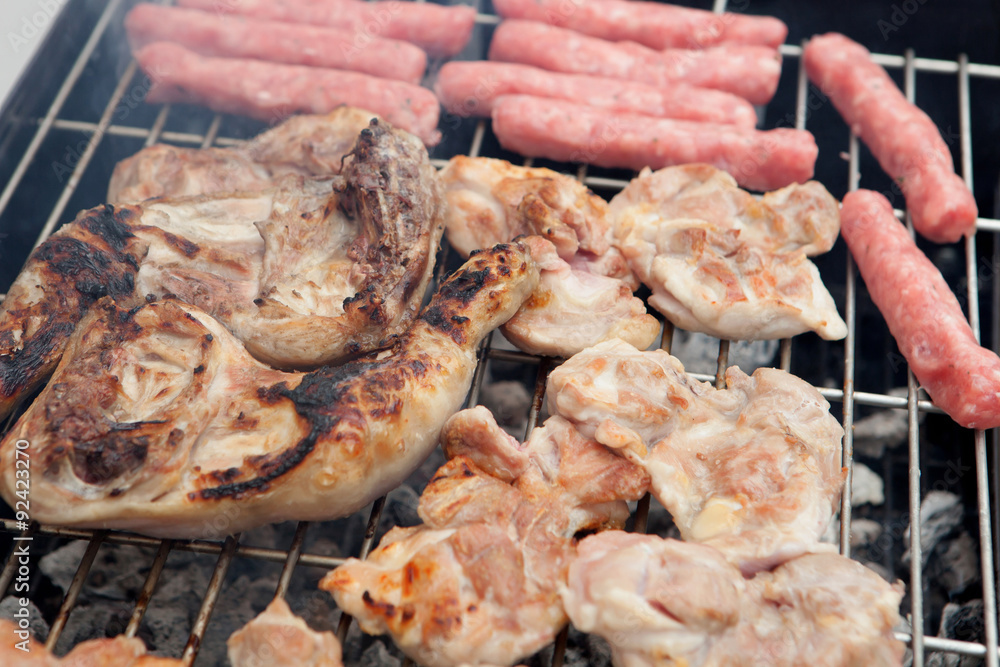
(305, 273)
(277, 637)
(586, 291)
(477, 582)
(157, 420)
(722, 263)
(308, 145)
(753, 470)
(670, 603)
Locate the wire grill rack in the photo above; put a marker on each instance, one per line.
(93, 134)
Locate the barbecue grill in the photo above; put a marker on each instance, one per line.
(79, 109)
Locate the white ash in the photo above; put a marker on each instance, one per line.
(36, 623)
(954, 564)
(864, 532)
(867, 487)
(883, 429)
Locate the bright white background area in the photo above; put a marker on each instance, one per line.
(23, 26)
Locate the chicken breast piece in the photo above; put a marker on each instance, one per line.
(305, 273)
(307, 145)
(477, 583)
(117, 651)
(158, 421)
(278, 637)
(572, 309)
(753, 470)
(666, 602)
(584, 277)
(722, 263)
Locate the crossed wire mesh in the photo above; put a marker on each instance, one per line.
(847, 396)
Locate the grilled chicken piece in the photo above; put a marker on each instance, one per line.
(307, 145)
(158, 421)
(573, 309)
(492, 201)
(666, 602)
(118, 651)
(306, 273)
(753, 470)
(722, 263)
(278, 637)
(477, 583)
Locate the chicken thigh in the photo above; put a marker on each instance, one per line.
(585, 295)
(753, 470)
(477, 583)
(668, 603)
(158, 421)
(722, 263)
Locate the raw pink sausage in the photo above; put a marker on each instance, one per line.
(271, 92)
(923, 314)
(470, 89)
(656, 25)
(239, 37)
(570, 132)
(440, 30)
(902, 138)
(752, 72)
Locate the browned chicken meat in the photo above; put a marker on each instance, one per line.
(279, 638)
(308, 145)
(305, 273)
(722, 263)
(753, 470)
(585, 294)
(670, 604)
(478, 582)
(118, 651)
(158, 421)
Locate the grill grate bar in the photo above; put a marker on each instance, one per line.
(366, 547)
(57, 103)
(210, 598)
(942, 645)
(88, 154)
(74, 590)
(148, 588)
(294, 552)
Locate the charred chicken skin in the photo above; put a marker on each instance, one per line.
(158, 421)
(305, 273)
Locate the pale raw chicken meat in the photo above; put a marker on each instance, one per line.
(571, 309)
(477, 583)
(307, 145)
(491, 201)
(117, 651)
(753, 470)
(662, 602)
(157, 420)
(722, 263)
(304, 273)
(277, 637)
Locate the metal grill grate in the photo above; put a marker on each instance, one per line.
(96, 133)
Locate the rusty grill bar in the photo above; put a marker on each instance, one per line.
(847, 396)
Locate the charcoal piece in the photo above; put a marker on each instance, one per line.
(965, 623)
(36, 623)
(940, 514)
(864, 532)
(509, 402)
(699, 353)
(378, 655)
(954, 564)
